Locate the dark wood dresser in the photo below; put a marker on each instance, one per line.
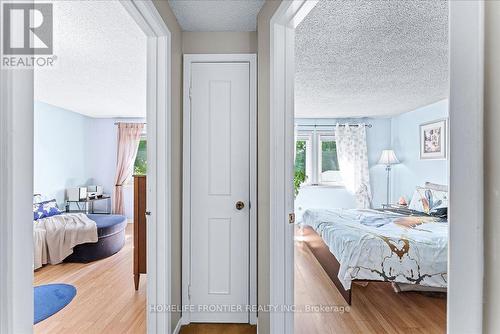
(139, 227)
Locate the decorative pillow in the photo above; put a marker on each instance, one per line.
(428, 200)
(45, 209)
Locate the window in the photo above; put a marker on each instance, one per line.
(300, 156)
(329, 172)
(303, 163)
(316, 161)
(141, 161)
(303, 158)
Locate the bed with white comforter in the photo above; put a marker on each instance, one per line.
(384, 246)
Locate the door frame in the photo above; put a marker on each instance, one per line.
(16, 199)
(189, 60)
(16, 179)
(159, 184)
(465, 265)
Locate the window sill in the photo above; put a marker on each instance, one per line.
(337, 186)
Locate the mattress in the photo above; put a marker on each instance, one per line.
(382, 246)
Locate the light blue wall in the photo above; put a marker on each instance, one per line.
(378, 139)
(103, 139)
(400, 133)
(412, 171)
(60, 150)
(73, 150)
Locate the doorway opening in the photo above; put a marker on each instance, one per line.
(18, 314)
(462, 64)
(90, 163)
(371, 166)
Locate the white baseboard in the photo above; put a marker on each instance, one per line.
(177, 328)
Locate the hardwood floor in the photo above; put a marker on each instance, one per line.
(375, 308)
(106, 301)
(218, 329)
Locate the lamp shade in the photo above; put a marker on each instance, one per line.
(388, 157)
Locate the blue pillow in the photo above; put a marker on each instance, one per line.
(45, 209)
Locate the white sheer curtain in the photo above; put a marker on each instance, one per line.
(352, 154)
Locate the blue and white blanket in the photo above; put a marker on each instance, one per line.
(383, 246)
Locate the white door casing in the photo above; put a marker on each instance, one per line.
(220, 162)
(158, 105)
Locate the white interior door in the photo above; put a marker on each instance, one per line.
(220, 192)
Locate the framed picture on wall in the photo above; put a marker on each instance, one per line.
(433, 140)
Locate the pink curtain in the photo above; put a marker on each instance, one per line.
(129, 135)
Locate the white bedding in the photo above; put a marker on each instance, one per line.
(54, 237)
(374, 245)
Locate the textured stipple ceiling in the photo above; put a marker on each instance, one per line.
(360, 58)
(217, 15)
(100, 69)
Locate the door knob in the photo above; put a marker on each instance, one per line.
(240, 205)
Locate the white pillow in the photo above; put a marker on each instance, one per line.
(428, 200)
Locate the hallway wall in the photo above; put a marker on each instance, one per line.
(491, 319)
(263, 138)
(219, 42)
(176, 149)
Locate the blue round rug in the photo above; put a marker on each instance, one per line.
(51, 298)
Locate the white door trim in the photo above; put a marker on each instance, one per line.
(466, 246)
(465, 267)
(189, 59)
(16, 179)
(16, 200)
(159, 166)
(282, 70)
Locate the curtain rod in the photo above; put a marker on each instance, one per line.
(332, 125)
(117, 123)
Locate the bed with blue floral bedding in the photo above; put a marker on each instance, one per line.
(377, 245)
